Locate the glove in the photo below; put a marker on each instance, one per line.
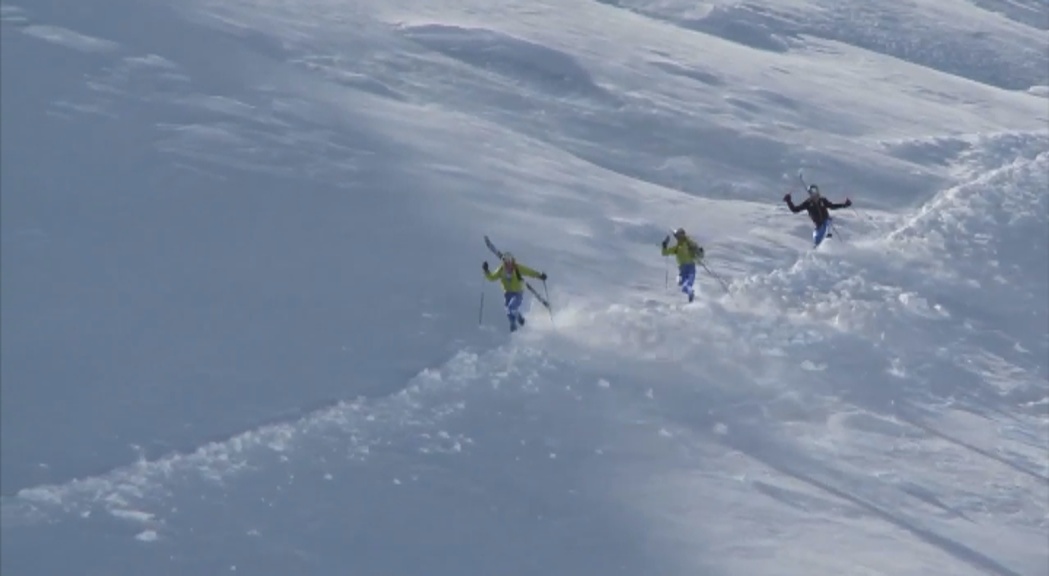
(700, 253)
(484, 266)
(786, 197)
(542, 276)
(848, 202)
(665, 242)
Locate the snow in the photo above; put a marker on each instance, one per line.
(241, 244)
(69, 38)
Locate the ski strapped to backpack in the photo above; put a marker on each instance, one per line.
(539, 297)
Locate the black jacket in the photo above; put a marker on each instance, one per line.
(817, 208)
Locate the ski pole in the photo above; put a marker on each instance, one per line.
(537, 295)
(724, 285)
(864, 215)
(548, 308)
(541, 300)
(480, 310)
(835, 230)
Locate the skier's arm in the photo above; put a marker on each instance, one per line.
(668, 251)
(493, 275)
(526, 271)
(793, 208)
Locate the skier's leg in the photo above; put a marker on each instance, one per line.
(507, 299)
(820, 232)
(686, 279)
(517, 302)
(513, 303)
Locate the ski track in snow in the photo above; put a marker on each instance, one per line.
(892, 381)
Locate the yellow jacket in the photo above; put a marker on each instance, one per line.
(686, 252)
(511, 278)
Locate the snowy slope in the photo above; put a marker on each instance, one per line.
(241, 251)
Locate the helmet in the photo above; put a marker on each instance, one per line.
(679, 233)
(508, 257)
(814, 190)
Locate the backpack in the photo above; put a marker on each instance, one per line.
(695, 249)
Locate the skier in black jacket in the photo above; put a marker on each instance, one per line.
(818, 208)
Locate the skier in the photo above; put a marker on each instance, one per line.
(510, 273)
(817, 207)
(687, 253)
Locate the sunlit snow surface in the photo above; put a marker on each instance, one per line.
(241, 282)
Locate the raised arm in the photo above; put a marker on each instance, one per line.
(793, 208)
(492, 275)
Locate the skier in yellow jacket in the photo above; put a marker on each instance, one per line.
(687, 253)
(510, 273)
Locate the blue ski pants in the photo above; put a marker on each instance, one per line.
(686, 279)
(821, 232)
(512, 301)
